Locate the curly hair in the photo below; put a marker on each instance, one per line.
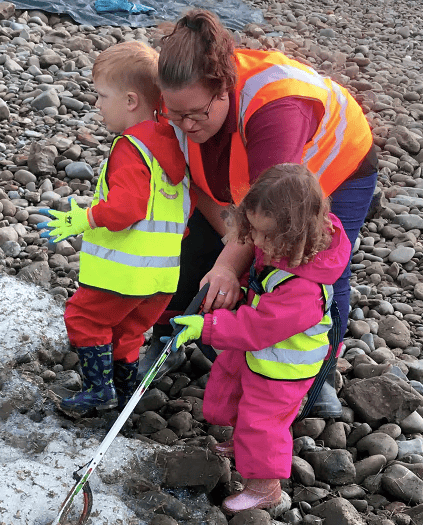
(290, 194)
(199, 49)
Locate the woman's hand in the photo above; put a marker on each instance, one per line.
(224, 288)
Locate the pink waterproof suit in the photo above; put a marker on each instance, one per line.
(262, 410)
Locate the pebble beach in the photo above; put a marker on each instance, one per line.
(365, 468)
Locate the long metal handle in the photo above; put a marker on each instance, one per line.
(193, 308)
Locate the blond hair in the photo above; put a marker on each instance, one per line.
(290, 194)
(130, 65)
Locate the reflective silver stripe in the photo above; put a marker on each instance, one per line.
(282, 275)
(294, 357)
(282, 72)
(135, 261)
(102, 175)
(275, 279)
(101, 193)
(279, 277)
(273, 74)
(141, 146)
(183, 144)
(314, 147)
(318, 329)
(329, 290)
(182, 139)
(187, 198)
(339, 131)
(153, 226)
(158, 227)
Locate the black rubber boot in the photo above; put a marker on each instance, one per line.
(125, 378)
(172, 363)
(327, 404)
(98, 389)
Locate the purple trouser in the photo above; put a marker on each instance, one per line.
(350, 203)
(260, 410)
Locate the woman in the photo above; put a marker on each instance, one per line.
(238, 112)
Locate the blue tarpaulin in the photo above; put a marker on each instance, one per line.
(233, 13)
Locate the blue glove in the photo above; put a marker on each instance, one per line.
(45, 225)
(193, 326)
(64, 223)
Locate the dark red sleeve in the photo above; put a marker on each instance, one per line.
(277, 132)
(129, 189)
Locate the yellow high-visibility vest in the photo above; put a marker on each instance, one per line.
(143, 259)
(300, 356)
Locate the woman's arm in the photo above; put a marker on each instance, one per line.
(231, 263)
(290, 309)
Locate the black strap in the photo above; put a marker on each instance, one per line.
(255, 281)
(207, 350)
(334, 336)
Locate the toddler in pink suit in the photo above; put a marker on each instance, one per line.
(275, 344)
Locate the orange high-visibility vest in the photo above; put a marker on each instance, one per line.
(340, 143)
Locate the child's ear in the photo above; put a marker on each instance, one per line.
(132, 100)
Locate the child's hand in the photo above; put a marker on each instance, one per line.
(65, 223)
(192, 330)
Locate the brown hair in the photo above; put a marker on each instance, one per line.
(130, 65)
(290, 194)
(198, 49)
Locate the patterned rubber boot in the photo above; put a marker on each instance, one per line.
(98, 389)
(327, 405)
(257, 494)
(125, 379)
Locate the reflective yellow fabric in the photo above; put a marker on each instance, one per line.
(143, 259)
(300, 356)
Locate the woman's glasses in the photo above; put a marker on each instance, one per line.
(177, 117)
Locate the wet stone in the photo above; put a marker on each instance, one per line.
(338, 511)
(334, 466)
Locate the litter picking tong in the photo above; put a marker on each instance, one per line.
(82, 480)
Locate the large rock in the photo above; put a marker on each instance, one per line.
(379, 399)
(37, 272)
(369, 467)
(7, 10)
(394, 332)
(4, 110)
(192, 467)
(416, 514)
(406, 139)
(332, 466)
(338, 511)
(152, 500)
(46, 99)
(379, 443)
(7, 234)
(41, 159)
(403, 484)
